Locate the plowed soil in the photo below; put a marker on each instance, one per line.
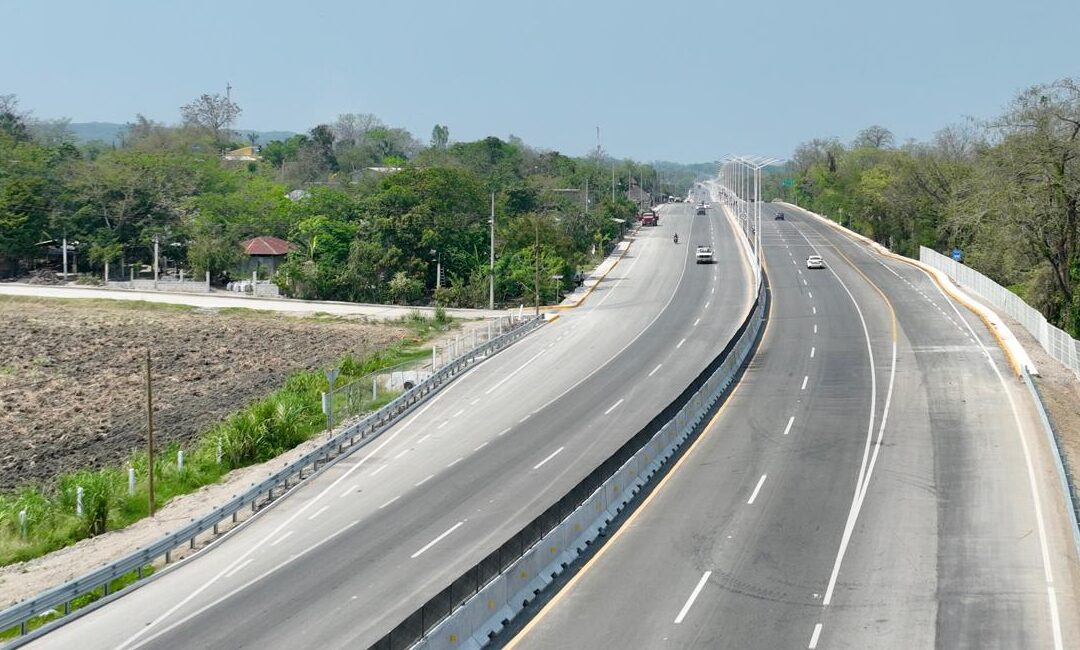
(72, 375)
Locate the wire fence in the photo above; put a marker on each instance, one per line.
(1056, 342)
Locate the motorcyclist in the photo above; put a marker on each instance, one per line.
(675, 238)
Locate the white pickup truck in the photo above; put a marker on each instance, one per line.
(704, 255)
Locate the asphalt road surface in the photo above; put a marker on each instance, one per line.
(348, 556)
(879, 479)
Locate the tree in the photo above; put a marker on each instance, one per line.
(212, 113)
(440, 137)
(13, 122)
(874, 137)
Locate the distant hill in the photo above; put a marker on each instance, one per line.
(108, 132)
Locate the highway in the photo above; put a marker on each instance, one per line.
(351, 553)
(878, 479)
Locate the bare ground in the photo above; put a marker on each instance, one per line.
(25, 579)
(72, 375)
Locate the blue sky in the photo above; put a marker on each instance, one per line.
(675, 80)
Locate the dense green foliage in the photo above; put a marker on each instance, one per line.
(376, 215)
(1006, 192)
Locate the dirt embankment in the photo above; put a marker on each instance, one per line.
(72, 375)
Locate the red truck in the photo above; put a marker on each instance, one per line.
(649, 218)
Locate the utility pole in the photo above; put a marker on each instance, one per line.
(156, 271)
(491, 264)
(64, 244)
(149, 434)
(536, 255)
(613, 182)
(586, 196)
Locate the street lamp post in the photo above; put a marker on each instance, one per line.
(491, 263)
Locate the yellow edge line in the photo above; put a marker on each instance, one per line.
(637, 512)
(932, 274)
(963, 300)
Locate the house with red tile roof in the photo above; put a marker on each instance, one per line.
(265, 254)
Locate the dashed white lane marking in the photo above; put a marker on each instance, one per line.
(753, 496)
(238, 567)
(380, 468)
(812, 351)
(814, 637)
(459, 413)
(389, 502)
(403, 452)
(349, 491)
(693, 596)
(696, 322)
(481, 446)
(680, 344)
(423, 438)
(553, 455)
(811, 294)
(504, 431)
(813, 310)
(437, 540)
(614, 406)
(815, 328)
(474, 402)
(791, 421)
(318, 512)
(426, 479)
(444, 423)
(804, 380)
(805, 283)
(516, 371)
(522, 420)
(713, 290)
(456, 461)
(707, 303)
(655, 369)
(281, 539)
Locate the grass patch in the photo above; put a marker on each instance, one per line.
(260, 431)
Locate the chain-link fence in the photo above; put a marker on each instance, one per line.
(1057, 343)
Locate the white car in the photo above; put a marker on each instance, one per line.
(815, 262)
(704, 255)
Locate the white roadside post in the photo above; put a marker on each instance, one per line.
(131, 479)
(78, 501)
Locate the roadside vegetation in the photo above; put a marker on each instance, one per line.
(1005, 191)
(371, 213)
(39, 518)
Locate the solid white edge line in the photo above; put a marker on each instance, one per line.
(238, 567)
(814, 637)
(614, 406)
(693, 596)
(791, 421)
(552, 455)
(757, 489)
(281, 539)
(437, 540)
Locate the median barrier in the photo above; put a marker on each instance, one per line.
(261, 495)
(515, 573)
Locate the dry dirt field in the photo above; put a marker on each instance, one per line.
(72, 388)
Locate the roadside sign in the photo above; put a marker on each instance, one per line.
(957, 254)
(331, 376)
(788, 182)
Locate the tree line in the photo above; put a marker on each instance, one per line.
(372, 212)
(1005, 191)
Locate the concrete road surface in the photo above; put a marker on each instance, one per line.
(351, 554)
(877, 480)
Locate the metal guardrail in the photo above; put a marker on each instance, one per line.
(477, 604)
(348, 440)
(1056, 342)
(1061, 461)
